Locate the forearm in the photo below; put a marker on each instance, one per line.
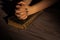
(40, 6)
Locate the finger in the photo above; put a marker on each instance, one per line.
(23, 18)
(17, 15)
(18, 6)
(21, 2)
(23, 14)
(17, 11)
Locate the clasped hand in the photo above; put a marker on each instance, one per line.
(21, 10)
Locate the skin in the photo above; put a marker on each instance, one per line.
(21, 11)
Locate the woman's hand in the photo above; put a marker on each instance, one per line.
(21, 10)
